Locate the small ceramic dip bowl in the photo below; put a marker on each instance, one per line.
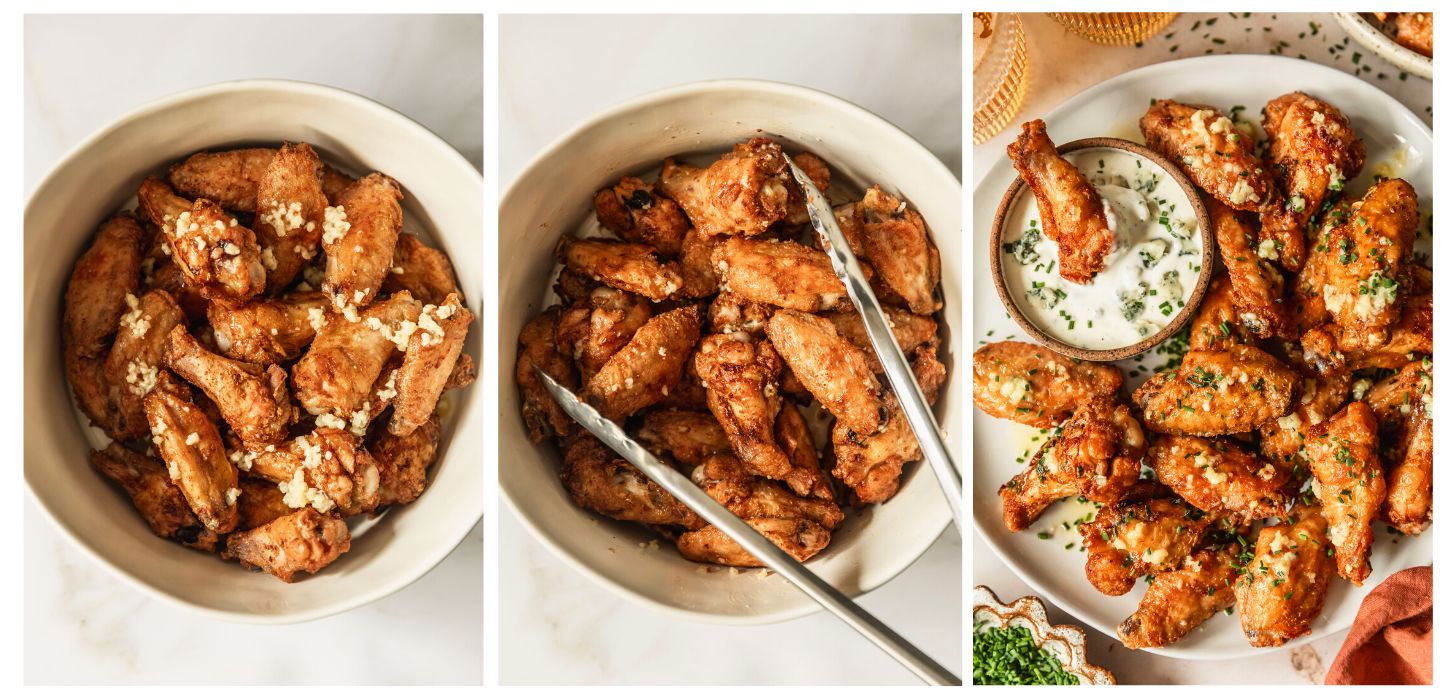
(1153, 279)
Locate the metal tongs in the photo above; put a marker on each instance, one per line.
(684, 490)
(897, 369)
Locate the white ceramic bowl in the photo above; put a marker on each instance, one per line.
(553, 195)
(442, 201)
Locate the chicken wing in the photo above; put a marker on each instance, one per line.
(328, 469)
(87, 377)
(799, 526)
(259, 503)
(1102, 445)
(1282, 441)
(1034, 386)
(289, 218)
(160, 503)
(217, 255)
(1411, 335)
(699, 273)
(1314, 152)
(688, 436)
(647, 368)
(912, 332)
(894, 241)
(744, 192)
(359, 235)
(195, 456)
(1207, 146)
(1025, 496)
(101, 280)
(1144, 533)
(594, 329)
(630, 267)
(1350, 484)
(782, 273)
(303, 541)
(1215, 474)
(1408, 494)
(871, 464)
(730, 313)
(1217, 393)
(831, 368)
(806, 476)
(229, 178)
(743, 394)
(603, 482)
(1070, 207)
(1415, 31)
(336, 375)
(1178, 601)
(404, 461)
(818, 172)
(267, 331)
(428, 362)
(536, 347)
(1366, 278)
(1257, 286)
(1216, 326)
(253, 399)
(139, 350)
(1282, 590)
(632, 211)
(425, 272)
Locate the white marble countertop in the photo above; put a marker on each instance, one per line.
(1054, 48)
(556, 626)
(83, 625)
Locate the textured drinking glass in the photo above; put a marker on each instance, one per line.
(1000, 71)
(1114, 28)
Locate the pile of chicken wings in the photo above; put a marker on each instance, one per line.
(1258, 469)
(266, 351)
(701, 320)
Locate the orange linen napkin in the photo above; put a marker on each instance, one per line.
(1390, 642)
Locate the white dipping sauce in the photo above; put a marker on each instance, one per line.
(1150, 272)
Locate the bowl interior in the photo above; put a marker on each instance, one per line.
(1003, 218)
(442, 202)
(554, 196)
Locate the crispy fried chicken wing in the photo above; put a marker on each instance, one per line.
(289, 219)
(744, 192)
(1216, 326)
(871, 464)
(836, 372)
(800, 526)
(259, 503)
(605, 483)
(1415, 31)
(1282, 590)
(1411, 335)
(1314, 152)
(101, 280)
(1282, 440)
(404, 461)
(1350, 484)
(596, 328)
(1144, 533)
(1366, 278)
(229, 178)
(1034, 386)
(1070, 207)
(217, 255)
(1257, 286)
(328, 469)
(630, 210)
(267, 331)
(1217, 475)
(647, 368)
(700, 275)
(159, 502)
(782, 273)
(536, 347)
(195, 456)
(359, 236)
(730, 313)
(336, 375)
(1102, 445)
(302, 541)
(1211, 150)
(253, 399)
(1217, 393)
(688, 436)
(1025, 496)
(743, 394)
(139, 350)
(424, 271)
(807, 476)
(87, 377)
(630, 267)
(1178, 601)
(429, 359)
(894, 241)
